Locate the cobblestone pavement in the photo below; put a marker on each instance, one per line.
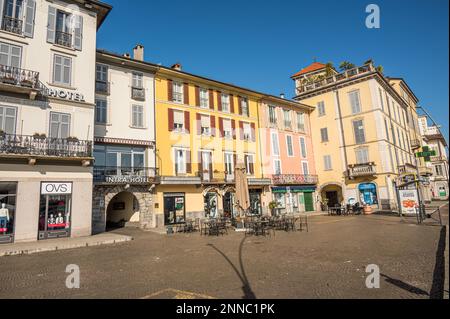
(329, 261)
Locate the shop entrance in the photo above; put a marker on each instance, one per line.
(210, 205)
(228, 205)
(255, 201)
(309, 202)
(331, 195)
(8, 193)
(122, 209)
(54, 216)
(174, 208)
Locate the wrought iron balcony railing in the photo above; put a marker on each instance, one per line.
(102, 87)
(21, 78)
(358, 170)
(125, 175)
(415, 144)
(13, 25)
(215, 177)
(44, 146)
(63, 38)
(138, 94)
(293, 179)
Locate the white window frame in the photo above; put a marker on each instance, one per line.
(301, 126)
(325, 129)
(229, 155)
(325, 158)
(142, 112)
(289, 150)
(225, 100)
(247, 127)
(227, 134)
(307, 168)
(277, 160)
(103, 71)
(3, 117)
(69, 123)
(359, 151)
(358, 99)
(63, 66)
(177, 92)
(9, 55)
(176, 160)
(137, 80)
(205, 130)
(251, 159)
(303, 147)
(363, 129)
(104, 110)
(272, 112)
(287, 119)
(245, 106)
(321, 108)
(274, 138)
(178, 127)
(204, 98)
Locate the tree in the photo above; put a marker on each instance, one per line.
(380, 68)
(329, 68)
(344, 66)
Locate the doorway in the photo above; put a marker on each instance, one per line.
(122, 209)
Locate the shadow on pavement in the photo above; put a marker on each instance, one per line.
(403, 285)
(246, 288)
(437, 289)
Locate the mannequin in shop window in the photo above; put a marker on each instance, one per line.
(4, 218)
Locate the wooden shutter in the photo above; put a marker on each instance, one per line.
(51, 26)
(170, 120)
(231, 103)
(252, 166)
(211, 99)
(169, 90)
(200, 164)
(213, 125)
(240, 105)
(29, 18)
(241, 129)
(187, 121)
(197, 96)
(234, 160)
(219, 100)
(188, 162)
(78, 33)
(233, 127)
(2, 6)
(199, 124)
(186, 93)
(253, 126)
(221, 127)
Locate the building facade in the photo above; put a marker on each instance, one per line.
(47, 58)
(433, 138)
(287, 154)
(359, 132)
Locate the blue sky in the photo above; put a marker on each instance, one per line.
(260, 44)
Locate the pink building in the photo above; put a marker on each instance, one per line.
(287, 154)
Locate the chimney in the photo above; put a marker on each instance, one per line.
(176, 66)
(138, 52)
(282, 95)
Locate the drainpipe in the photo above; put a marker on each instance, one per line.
(342, 128)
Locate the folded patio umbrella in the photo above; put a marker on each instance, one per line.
(242, 194)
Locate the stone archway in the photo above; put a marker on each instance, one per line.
(331, 193)
(102, 196)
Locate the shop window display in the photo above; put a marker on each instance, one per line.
(7, 211)
(174, 209)
(54, 216)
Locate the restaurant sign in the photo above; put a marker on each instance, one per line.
(66, 95)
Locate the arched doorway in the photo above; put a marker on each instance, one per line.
(331, 195)
(229, 202)
(122, 209)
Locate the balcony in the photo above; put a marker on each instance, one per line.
(415, 144)
(361, 170)
(13, 145)
(114, 175)
(294, 179)
(407, 168)
(138, 94)
(425, 171)
(63, 38)
(307, 86)
(215, 177)
(18, 80)
(102, 87)
(13, 25)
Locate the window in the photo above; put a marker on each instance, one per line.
(247, 132)
(321, 108)
(290, 148)
(439, 170)
(101, 73)
(358, 128)
(225, 102)
(287, 119)
(177, 92)
(227, 129)
(275, 144)
(59, 125)
(387, 129)
(381, 98)
(305, 168)
(137, 119)
(327, 163)
(244, 107)
(362, 155)
(10, 55)
(64, 28)
(12, 16)
(277, 167)
(301, 122)
(205, 123)
(272, 115)
(204, 98)
(249, 164)
(324, 134)
(137, 80)
(303, 147)
(229, 163)
(62, 70)
(178, 121)
(180, 161)
(8, 119)
(355, 102)
(101, 111)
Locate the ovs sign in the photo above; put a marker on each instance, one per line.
(56, 188)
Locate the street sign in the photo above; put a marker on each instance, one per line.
(426, 153)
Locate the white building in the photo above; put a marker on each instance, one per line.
(47, 104)
(124, 171)
(433, 138)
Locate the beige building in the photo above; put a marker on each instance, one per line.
(47, 56)
(360, 133)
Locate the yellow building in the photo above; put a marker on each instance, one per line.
(203, 128)
(360, 133)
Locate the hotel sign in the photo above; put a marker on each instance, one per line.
(128, 179)
(66, 95)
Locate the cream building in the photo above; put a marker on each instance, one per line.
(124, 151)
(360, 133)
(47, 56)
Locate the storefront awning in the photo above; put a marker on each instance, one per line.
(294, 189)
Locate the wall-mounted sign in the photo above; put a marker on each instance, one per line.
(128, 179)
(56, 188)
(66, 95)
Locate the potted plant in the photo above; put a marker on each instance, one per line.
(2, 133)
(367, 209)
(38, 136)
(273, 205)
(72, 139)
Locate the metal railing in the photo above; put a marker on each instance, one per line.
(44, 146)
(125, 175)
(102, 87)
(138, 93)
(415, 144)
(215, 177)
(19, 77)
(292, 179)
(13, 25)
(63, 38)
(357, 170)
